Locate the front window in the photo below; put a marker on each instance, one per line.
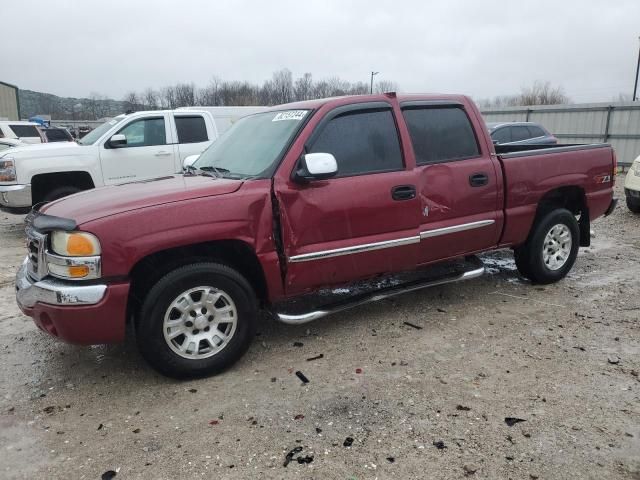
(94, 135)
(253, 145)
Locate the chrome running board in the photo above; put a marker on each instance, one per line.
(476, 269)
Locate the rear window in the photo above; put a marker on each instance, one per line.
(440, 134)
(57, 135)
(191, 129)
(25, 130)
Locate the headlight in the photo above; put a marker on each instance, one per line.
(75, 244)
(7, 169)
(74, 255)
(636, 168)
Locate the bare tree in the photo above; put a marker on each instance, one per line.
(132, 100)
(303, 88)
(542, 93)
(282, 86)
(185, 94)
(168, 97)
(150, 99)
(210, 95)
(384, 86)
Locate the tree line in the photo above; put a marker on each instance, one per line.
(280, 88)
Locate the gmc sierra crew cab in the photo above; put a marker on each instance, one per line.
(296, 199)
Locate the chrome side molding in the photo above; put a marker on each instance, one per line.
(455, 228)
(367, 247)
(477, 269)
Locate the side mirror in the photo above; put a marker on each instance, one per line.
(316, 166)
(495, 142)
(118, 141)
(190, 160)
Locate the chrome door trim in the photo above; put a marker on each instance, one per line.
(367, 247)
(455, 228)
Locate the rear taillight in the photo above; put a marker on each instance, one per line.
(615, 163)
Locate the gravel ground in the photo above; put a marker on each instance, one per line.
(502, 380)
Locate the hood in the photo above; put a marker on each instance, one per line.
(45, 149)
(103, 202)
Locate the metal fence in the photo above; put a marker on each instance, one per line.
(614, 123)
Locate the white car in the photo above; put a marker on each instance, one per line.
(130, 147)
(632, 186)
(27, 132)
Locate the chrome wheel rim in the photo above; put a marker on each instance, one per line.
(557, 247)
(200, 322)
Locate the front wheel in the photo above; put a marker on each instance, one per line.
(551, 249)
(197, 320)
(633, 205)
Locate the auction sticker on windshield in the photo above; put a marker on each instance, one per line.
(290, 115)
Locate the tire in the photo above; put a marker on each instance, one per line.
(197, 353)
(551, 249)
(522, 261)
(632, 205)
(59, 192)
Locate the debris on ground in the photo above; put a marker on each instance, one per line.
(358, 370)
(108, 475)
(439, 444)
(348, 442)
(298, 344)
(299, 417)
(318, 430)
(511, 421)
(391, 459)
(193, 390)
(214, 422)
(413, 325)
(302, 377)
(50, 409)
(317, 357)
(469, 469)
(306, 459)
(290, 455)
(463, 408)
(613, 360)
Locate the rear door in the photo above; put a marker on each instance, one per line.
(362, 222)
(148, 153)
(457, 181)
(194, 134)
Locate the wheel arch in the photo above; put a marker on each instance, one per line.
(236, 254)
(573, 198)
(43, 183)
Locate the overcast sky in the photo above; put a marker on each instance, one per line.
(482, 48)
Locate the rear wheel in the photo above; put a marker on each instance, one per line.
(551, 249)
(197, 320)
(633, 205)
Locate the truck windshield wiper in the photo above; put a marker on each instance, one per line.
(218, 171)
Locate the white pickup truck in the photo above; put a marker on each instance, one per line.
(130, 147)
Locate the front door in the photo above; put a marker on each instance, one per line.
(147, 154)
(457, 182)
(360, 223)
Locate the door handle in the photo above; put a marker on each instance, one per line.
(478, 179)
(403, 192)
(162, 153)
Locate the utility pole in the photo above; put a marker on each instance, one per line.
(635, 85)
(375, 73)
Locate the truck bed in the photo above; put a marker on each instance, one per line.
(510, 151)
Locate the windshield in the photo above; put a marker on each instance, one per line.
(253, 145)
(93, 136)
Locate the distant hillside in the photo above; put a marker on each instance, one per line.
(68, 108)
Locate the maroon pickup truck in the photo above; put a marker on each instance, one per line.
(297, 199)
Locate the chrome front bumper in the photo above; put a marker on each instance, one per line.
(54, 292)
(15, 196)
